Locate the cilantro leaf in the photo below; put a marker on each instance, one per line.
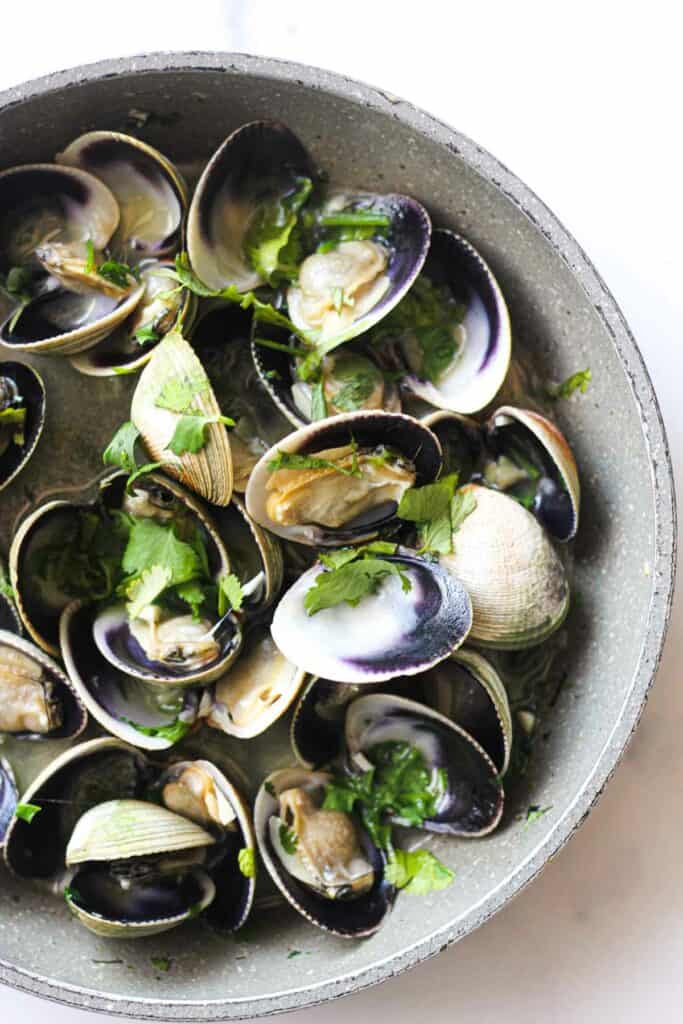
(190, 432)
(430, 507)
(121, 449)
(90, 264)
(318, 401)
(118, 274)
(148, 467)
(161, 963)
(173, 733)
(15, 418)
(398, 786)
(271, 229)
(146, 588)
(293, 460)
(6, 589)
(351, 582)
(289, 839)
(192, 593)
(146, 334)
(152, 544)
(179, 393)
(535, 812)
(355, 378)
(230, 595)
(336, 559)
(578, 381)
(463, 505)
(417, 872)
(269, 788)
(246, 859)
(27, 812)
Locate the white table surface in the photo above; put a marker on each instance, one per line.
(581, 100)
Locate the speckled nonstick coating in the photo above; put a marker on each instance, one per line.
(563, 313)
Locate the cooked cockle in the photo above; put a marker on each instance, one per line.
(327, 851)
(337, 288)
(356, 482)
(175, 639)
(321, 860)
(341, 480)
(36, 698)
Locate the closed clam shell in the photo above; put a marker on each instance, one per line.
(119, 829)
(509, 567)
(207, 472)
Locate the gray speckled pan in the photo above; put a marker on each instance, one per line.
(565, 316)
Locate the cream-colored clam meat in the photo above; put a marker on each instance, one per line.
(25, 703)
(338, 287)
(177, 639)
(193, 792)
(332, 498)
(328, 855)
(255, 691)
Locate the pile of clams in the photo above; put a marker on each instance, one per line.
(293, 608)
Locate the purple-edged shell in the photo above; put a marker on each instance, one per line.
(8, 797)
(389, 633)
(411, 454)
(346, 913)
(483, 335)
(471, 803)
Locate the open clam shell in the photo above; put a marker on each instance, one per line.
(391, 632)
(9, 797)
(374, 274)
(545, 465)
(483, 336)
(471, 803)
(461, 442)
(317, 729)
(201, 792)
(55, 520)
(352, 379)
(256, 690)
(466, 689)
(131, 345)
(37, 701)
(84, 776)
(149, 190)
(255, 555)
(515, 578)
(146, 716)
(21, 387)
(258, 163)
(372, 501)
(174, 365)
(352, 918)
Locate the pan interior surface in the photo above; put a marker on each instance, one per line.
(565, 320)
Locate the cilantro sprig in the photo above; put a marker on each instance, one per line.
(418, 872)
(438, 510)
(266, 244)
(294, 460)
(174, 732)
(352, 574)
(578, 381)
(246, 860)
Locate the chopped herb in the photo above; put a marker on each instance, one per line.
(14, 418)
(85, 560)
(27, 812)
(6, 589)
(193, 594)
(118, 274)
(146, 588)
(230, 594)
(430, 507)
(148, 467)
(400, 786)
(90, 264)
(121, 449)
(352, 219)
(297, 952)
(246, 859)
(174, 732)
(161, 963)
(293, 460)
(578, 381)
(427, 316)
(70, 893)
(289, 839)
(266, 244)
(359, 575)
(417, 872)
(278, 346)
(190, 432)
(463, 505)
(17, 286)
(270, 788)
(535, 812)
(152, 544)
(318, 401)
(147, 334)
(358, 380)
(179, 393)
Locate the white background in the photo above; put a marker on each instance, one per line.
(581, 100)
